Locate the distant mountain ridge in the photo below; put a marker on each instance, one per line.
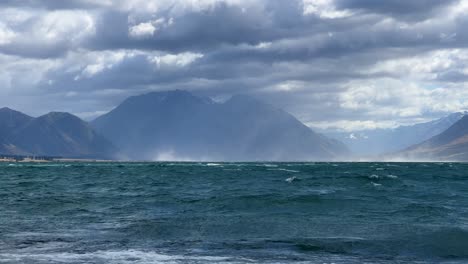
(54, 134)
(382, 141)
(450, 145)
(179, 125)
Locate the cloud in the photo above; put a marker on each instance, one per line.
(355, 125)
(414, 9)
(147, 29)
(177, 60)
(323, 9)
(142, 30)
(101, 62)
(6, 35)
(53, 4)
(45, 35)
(343, 63)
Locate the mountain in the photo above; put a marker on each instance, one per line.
(450, 145)
(380, 141)
(10, 120)
(176, 125)
(53, 134)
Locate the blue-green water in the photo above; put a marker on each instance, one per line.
(234, 213)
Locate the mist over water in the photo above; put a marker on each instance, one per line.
(234, 213)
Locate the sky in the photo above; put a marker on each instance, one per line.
(342, 64)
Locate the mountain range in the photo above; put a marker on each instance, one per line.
(450, 145)
(383, 141)
(54, 134)
(179, 125)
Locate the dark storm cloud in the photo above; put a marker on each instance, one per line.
(408, 9)
(49, 4)
(35, 50)
(321, 60)
(220, 31)
(452, 76)
(201, 31)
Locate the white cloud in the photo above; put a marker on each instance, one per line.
(323, 9)
(33, 32)
(63, 26)
(101, 61)
(142, 30)
(174, 60)
(288, 86)
(21, 76)
(263, 45)
(385, 97)
(6, 34)
(459, 9)
(177, 6)
(401, 100)
(353, 125)
(147, 29)
(91, 115)
(425, 66)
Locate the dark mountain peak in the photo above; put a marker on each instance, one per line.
(178, 93)
(5, 111)
(53, 134)
(149, 126)
(11, 119)
(462, 113)
(169, 96)
(459, 129)
(182, 96)
(147, 102)
(455, 116)
(59, 117)
(60, 134)
(452, 144)
(166, 94)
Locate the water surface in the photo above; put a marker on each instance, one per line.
(234, 213)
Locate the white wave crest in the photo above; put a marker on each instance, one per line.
(114, 257)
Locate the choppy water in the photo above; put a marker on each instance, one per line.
(234, 213)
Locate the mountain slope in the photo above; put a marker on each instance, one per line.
(451, 145)
(10, 121)
(379, 141)
(54, 134)
(177, 125)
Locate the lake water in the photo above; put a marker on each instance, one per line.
(234, 213)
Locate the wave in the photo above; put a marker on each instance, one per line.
(286, 170)
(448, 244)
(269, 165)
(292, 179)
(443, 245)
(113, 256)
(213, 164)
